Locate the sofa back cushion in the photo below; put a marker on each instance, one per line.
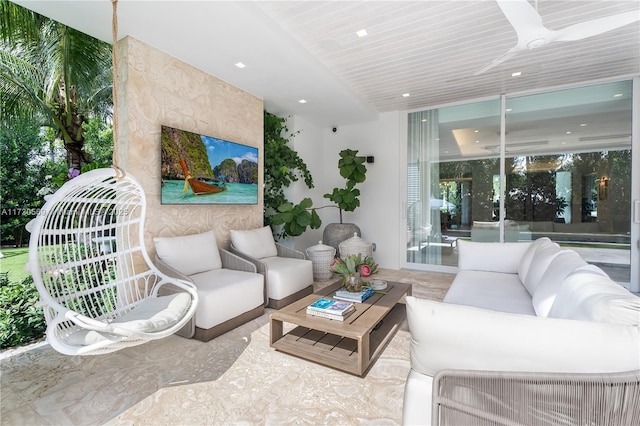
(493, 257)
(258, 243)
(560, 267)
(588, 295)
(527, 257)
(190, 254)
(542, 258)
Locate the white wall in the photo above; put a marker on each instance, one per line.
(379, 213)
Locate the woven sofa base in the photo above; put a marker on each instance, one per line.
(281, 303)
(205, 335)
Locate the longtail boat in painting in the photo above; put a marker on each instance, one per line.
(198, 187)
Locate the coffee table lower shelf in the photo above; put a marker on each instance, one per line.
(351, 355)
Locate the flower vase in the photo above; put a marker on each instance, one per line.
(352, 282)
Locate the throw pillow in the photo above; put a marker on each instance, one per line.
(190, 254)
(258, 243)
(561, 266)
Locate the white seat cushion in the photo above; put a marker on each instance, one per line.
(151, 315)
(256, 243)
(190, 254)
(287, 276)
(490, 290)
(224, 294)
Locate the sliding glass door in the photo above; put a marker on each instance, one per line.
(561, 169)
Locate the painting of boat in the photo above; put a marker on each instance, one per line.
(201, 169)
(199, 187)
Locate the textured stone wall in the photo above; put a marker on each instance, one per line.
(156, 89)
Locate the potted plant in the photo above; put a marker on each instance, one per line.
(295, 218)
(352, 168)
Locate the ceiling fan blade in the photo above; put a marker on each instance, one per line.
(524, 19)
(500, 59)
(595, 26)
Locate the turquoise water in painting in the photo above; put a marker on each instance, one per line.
(236, 193)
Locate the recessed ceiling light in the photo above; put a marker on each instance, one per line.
(568, 132)
(362, 33)
(583, 125)
(508, 110)
(424, 120)
(240, 65)
(617, 95)
(476, 131)
(477, 141)
(516, 74)
(303, 101)
(406, 95)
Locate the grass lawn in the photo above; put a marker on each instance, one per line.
(13, 262)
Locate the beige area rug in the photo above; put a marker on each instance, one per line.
(236, 379)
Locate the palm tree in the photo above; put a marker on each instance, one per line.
(54, 75)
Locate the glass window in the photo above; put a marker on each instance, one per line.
(567, 162)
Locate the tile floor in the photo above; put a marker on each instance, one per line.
(231, 380)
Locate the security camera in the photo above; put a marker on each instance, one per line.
(335, 129)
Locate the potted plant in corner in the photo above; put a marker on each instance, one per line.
(352, 168)
(296, 218)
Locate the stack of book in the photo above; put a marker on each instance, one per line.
(350, 296)
(332, 309)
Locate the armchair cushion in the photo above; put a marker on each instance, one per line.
(190, 254)
(257, 243)
(225, 294)
(286, 276)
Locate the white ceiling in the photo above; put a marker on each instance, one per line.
(309, 49)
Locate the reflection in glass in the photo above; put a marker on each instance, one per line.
(567, 162)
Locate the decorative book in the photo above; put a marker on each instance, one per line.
(328, 315)
(350, 296)
(329, 306)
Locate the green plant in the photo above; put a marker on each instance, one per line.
(352, 168)
(296, 217)
(282, 166)
(20, 321)
(354, 263)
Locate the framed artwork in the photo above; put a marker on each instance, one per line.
(199, 169)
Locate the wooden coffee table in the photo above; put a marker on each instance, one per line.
(351, 345)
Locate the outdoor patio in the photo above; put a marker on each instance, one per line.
(234, 379)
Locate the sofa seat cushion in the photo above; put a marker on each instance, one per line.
(495, 257)
(589, 296)
(286, 276)
(490, 290)
(258, 243)
(190, 254)
(224, 294)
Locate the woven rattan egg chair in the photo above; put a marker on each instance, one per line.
(99, 290)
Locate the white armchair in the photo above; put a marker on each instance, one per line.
(288, 274)
(230, 291)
